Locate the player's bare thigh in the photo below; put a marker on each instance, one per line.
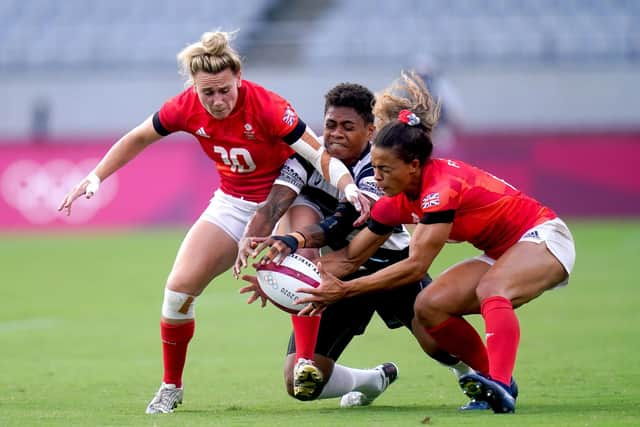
(206, 252)
(522, 273)
(453, 292)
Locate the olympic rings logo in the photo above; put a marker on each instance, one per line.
(36, 190)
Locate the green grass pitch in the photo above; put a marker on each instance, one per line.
(79, 343)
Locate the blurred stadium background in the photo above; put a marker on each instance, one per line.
(543, 93)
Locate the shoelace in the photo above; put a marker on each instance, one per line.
(165, 397)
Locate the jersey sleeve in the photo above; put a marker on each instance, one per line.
(170, 118)
(384, 216)
(367, 183)
(293, 174)
(440, 201)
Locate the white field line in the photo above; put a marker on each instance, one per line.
(27, 324)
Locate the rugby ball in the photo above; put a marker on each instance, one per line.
(279, 282)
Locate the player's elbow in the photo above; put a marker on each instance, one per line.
(415, 270)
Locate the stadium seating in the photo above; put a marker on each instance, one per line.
(81, 33)
(467, 31)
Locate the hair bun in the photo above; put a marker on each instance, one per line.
(215, 43)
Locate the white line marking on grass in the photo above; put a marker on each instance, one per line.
(26, 324)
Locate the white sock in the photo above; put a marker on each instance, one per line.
(460, 369)
(344, 380)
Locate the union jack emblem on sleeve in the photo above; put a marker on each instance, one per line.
(289, 116)
(431, 199)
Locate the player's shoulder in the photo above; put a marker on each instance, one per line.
(185, 100)
(449, 164)
(439, 168)
(265, 106)
(258, 93)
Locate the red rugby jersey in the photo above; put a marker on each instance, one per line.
(247, 146)
(488, 212)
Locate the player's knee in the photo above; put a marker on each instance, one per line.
(178, 305)
(423, 308)
(489, 287)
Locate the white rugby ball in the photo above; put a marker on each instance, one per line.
(279, 282)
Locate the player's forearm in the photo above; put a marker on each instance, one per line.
(267, 216)
(338, 265)
(398, 274)
(261, 224)
(314, 236)
(332, 169)
(125, 149)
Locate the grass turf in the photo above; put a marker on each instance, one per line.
(79, 343)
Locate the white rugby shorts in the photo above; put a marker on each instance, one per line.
(556, 235)
(229, 213)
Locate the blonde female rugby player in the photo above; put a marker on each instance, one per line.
(248, 132)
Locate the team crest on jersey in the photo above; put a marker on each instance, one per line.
(430, 200)
(248, 132)
(289, 116)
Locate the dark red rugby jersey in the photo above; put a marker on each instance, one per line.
(247, 146)
(487, 212)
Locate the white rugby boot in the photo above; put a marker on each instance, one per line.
(166, 399)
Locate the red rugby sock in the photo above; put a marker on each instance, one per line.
(305, 333)
(503, 337)
(456, 336)
(175, 339)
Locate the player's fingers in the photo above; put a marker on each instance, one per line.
(241, 263)
(270, 255)
(250, 278)
(261, 245)
(318, 311)
(245, 289)
(282, 252)
(324, 274)
(62, 204)
(306, 310)
(311, 298)
(236, 269)
(65, 205)
(361, 219)
(365, 210)
(279, 258)
(308, 290)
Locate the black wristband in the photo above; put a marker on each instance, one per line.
(288, 240)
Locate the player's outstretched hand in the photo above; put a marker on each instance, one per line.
(361, 203)
(330, 290)
(255, 289)
(279, 249)
(87, 187)
(246, 248)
